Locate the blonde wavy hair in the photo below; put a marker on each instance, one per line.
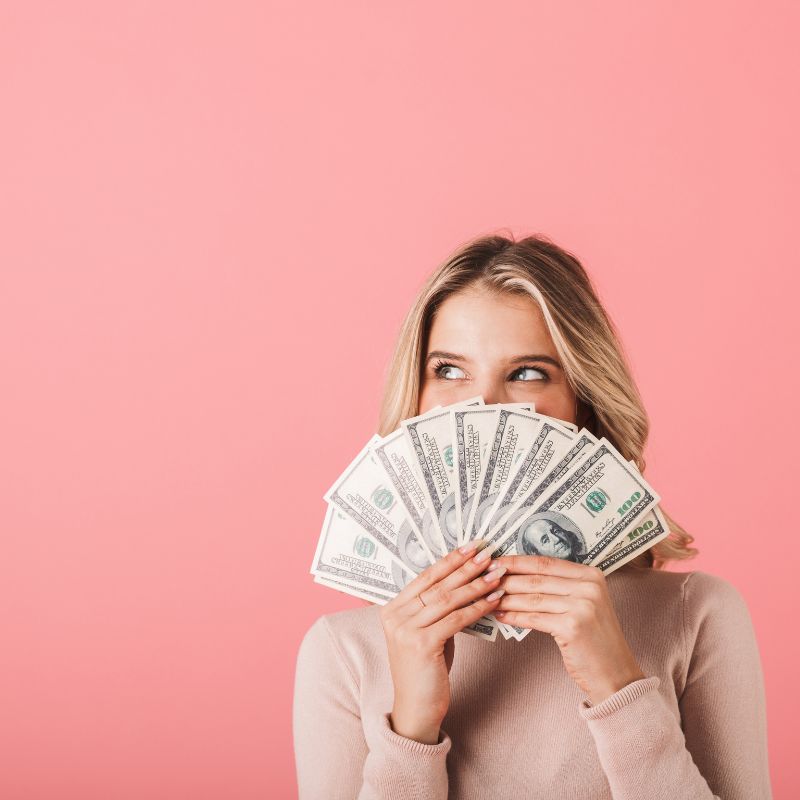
(583, 334)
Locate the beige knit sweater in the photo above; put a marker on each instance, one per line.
(518, 727)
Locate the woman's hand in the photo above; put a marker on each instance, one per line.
(570, 602)
(419, 625)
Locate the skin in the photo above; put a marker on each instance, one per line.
(495, 337)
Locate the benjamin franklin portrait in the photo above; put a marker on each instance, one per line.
(551, 534)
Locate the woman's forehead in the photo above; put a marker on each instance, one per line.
(479, 324)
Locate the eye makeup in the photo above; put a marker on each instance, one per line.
(440, 366)
(544, 372)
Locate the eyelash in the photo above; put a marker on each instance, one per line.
(441, 364)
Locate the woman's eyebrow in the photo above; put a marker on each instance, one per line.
(545, 359)
(443, 354)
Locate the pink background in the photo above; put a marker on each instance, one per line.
(214, 216)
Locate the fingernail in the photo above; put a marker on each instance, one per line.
(498, 614)
(496, 596)
(470, 546)
(484, 555)
(494, 574)
(494, 565)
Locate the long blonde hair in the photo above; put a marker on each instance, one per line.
(582, 332)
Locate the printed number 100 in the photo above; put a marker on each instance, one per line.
(628, 503)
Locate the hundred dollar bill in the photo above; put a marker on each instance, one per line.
(364, 493)
(513, 429)
(538, 488)
(550, 445)
(393, 455)
(484, 628)
(505, 630)
(345, 553)
(353, 591)
(532, 408)
(471, 430)
(431, 443)
(644, 533)
(580, 519)
(515, 632)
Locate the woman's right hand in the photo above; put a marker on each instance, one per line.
(420, 637)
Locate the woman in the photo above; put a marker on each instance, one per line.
(648, 684)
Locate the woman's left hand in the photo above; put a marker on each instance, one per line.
(570, 602)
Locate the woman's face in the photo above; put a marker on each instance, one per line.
(498, 346)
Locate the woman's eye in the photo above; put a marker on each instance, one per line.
(450, 372)
(529, 374)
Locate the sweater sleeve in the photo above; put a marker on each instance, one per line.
(718, 748)
(338, 757)
(723, 706)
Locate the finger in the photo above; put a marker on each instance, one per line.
(535, 620)
(438, 596)
(544, 565)
(436, 572)
(543, 584)
(593, 591)
(459, 619)
(550, 603)
(439, 601)
(481, 560)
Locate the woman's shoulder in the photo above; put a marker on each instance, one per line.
(350, 634)
(354, 622)
(700, 594)
(695, 582)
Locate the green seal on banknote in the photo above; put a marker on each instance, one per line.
(364, 547)
(448, 455)
(596, 500)
(382, 498)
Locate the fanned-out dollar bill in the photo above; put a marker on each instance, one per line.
(471, 430)
(353, 590)
(366, 496)
(584, 513)
(346, 552)
(430, 437)
(512, 434)
(524, 482)
(393, 454)
(649, 530)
